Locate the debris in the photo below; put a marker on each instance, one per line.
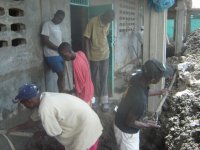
(182, 125)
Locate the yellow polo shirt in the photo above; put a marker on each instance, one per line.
(97, 32)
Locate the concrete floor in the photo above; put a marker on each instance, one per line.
(17, 141)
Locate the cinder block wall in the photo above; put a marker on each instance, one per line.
(21, 58)
(21, 53)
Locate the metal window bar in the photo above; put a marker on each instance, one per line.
(80, 2)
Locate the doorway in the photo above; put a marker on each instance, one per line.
(79, 19)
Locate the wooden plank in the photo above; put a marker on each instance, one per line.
(18, 133)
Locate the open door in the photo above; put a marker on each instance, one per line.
(97, 10)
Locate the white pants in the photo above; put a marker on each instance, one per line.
(126, 141)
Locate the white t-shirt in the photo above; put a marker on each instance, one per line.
(69, 119)
(54, 33)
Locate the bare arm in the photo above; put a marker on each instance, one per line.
(87, 45)
(158, 92)
(28, 124)
(132, 122)
(48, 43)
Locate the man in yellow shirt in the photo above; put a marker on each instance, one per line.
(97, 50)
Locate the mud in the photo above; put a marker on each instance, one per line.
(182, 116)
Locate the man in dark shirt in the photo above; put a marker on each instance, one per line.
(134, 104)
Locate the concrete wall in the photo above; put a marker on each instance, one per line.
(126, 45)
(21, 61)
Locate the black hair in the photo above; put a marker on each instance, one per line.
(64, 46)
(60, 12)
(151, 71)
(108, 16)
(110, 11)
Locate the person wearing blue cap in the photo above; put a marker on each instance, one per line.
(131, 110)
(66, 117)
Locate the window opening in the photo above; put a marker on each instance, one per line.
(3, 44)
(194, 22)
(80, 2)
(2, 27)
(15, 12)
(2, 11)
(18, 41)
(17, 26)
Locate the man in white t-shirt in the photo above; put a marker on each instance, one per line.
(51, 36)
(66, 117)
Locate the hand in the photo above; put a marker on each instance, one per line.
(164, 91)
(152, 124)
(11, 130)
(70, 91)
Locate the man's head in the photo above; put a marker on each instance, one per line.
(154, 70)
(28, 95)
(58, 17)
(66, 52)
(108, 16)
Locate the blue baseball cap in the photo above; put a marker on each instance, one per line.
(26, 92)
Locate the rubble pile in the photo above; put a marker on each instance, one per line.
(182, 118)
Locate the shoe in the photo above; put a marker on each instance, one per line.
(105, 107)
(95, 102)
(95, 105)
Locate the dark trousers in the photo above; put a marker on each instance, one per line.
(99, 71)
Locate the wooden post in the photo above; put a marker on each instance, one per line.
(188, 23)
(154, 44)
(180, 25)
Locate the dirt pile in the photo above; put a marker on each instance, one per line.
(182, 118)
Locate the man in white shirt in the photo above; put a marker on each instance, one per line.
(66, 117)
(51, 36)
